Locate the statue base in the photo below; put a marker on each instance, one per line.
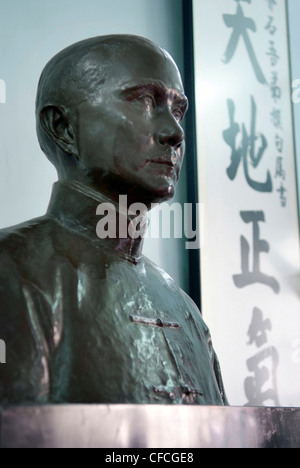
(148, 426)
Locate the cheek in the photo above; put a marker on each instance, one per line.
(114, 141)
(135, 131)
(132, 144)
(96, 143)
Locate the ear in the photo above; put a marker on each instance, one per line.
(59, 129)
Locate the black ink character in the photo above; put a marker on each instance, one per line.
(248, 277)
(271, 4)
(240, 24)
(271, 27)
(258, 329)
(263, 365)
(276, 91)
(280, 172)
(279, 143)
(276, 118)
(246, 150)
(272, 53)
(282, 191)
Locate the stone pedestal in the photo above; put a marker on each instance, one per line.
(148, 426)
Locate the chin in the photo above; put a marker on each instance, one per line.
(164, 192)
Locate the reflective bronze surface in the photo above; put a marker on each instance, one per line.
(90, 320)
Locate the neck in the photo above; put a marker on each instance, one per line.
(107, 223)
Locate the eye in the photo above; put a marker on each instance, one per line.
(178, 114)
(148, 102)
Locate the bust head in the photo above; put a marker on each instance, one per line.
(109, 111)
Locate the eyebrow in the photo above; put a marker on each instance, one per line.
(160, 88)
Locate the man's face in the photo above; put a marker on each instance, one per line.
(129, 134)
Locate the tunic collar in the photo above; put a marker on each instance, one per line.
(75, 206)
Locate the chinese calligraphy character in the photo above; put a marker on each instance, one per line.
(275, 89)
(248, 277)
(262, 386)
(282, 191)
(270, 26)
(263, 365)
(280, 172)
(247, 148)
(240, 24)
(273, 54)
(258, 329)
(271, 4)
(276, 118)
(279, 143)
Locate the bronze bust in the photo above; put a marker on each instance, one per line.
(90, 320)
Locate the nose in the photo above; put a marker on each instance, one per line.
(170, 132)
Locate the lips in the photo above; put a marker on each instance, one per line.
(164, 162)
(168, 166)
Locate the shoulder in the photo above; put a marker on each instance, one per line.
(156, 271)
(182, 299)
(20, 244)
(168, 281)
(19, 237)
(25, 250)
(16, 251)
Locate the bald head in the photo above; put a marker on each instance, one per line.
(82, 67)
(78, 73)
(108, 115)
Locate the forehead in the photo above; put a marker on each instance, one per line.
(138, 64)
